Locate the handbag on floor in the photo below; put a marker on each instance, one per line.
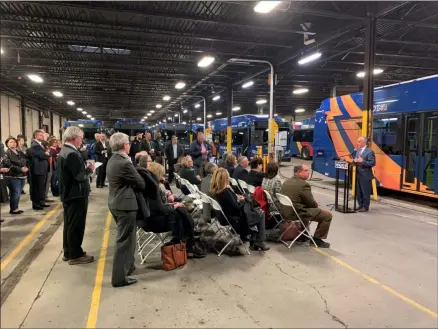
(173, 255)
(292, 228)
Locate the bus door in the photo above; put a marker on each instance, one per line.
(420, 152)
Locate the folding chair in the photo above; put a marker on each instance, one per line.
(228, 229)
(243, 186)
(144, 239)
(178, 182)
(276, 212)
(286, 201)
(251, 189)
(194, 194)
(235, 184)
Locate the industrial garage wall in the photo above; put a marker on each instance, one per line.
(56, 120)
(10, 117)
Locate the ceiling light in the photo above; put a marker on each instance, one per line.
(166, 98)
(158, 106)
(300, 91)
(199, 119)
(92, 118)
(261, 101)
(35, 78)
(300, 110)
(88, 115)
(206, 61)
(197, 106)
(218, 113)
(209, 116)
(71, 103)
(142, 119)
(184, 122)
(309, 58)
(149, 114)
(185, 111)
(80, 109)
(215, 98)
(176, 114)
(180, 85)
(57, 94)
(247, 84)
(375, 72)
(84, 112)
(170, 118)
(236, 108)
(1, 49)
(80, 125)
(264, 7)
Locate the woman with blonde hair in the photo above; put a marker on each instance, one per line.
(188, 172)
(230, 164)
(233, 205)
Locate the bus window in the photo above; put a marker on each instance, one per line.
(305, 135)
(385, 134)
(238, 138)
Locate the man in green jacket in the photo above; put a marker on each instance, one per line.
(300, 193)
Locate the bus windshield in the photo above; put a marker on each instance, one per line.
(238, 137)
(305, 135)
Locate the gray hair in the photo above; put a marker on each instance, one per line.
(298, 168)
(71, 132)
(241, 159)
(365, 139)
(118, 141)
(143, 161)
(210, 168)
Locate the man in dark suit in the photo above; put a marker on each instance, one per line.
(123, 179)
(298, 190)
(256, 175)
(146, 144)
(135, 146)
(241, 172)
(365, 160)
(39, 170)
(74, 188)
(200, 152)
(173, 151)
(102, 151)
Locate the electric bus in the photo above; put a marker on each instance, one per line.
(181, 131)
(302, 139)
(404, 137)
(131, 127)
(250, 131)
(89, 127)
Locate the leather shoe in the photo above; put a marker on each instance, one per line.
(128, 282)
(362, 210)
(37, 208)
(45, 205)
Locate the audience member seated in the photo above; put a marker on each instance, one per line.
(233, 207)
(178, 164)
(256, 175)
(300, 193)
(188, 172)
(272, 182)
(241, 171)
(173, 212)
(230, 164)
(222, 162)
(210, 168)
(16, 162)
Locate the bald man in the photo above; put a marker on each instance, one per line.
(365, 160)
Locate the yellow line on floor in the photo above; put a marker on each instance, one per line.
(95, 298)
(384, 287)
(5, 262)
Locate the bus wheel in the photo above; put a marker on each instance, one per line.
(305, 154)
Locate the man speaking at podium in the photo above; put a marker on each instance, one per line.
(365, 160)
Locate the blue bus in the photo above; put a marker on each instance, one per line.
(89, 127)
(404, 139)
(250, 131)
(180, 130)
(131, 127)
(302, 139)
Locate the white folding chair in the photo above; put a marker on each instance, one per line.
(251, 189)
(144, 239)
(275, 212)
(194, 194)
(286, 201)
(236, 184)
(228, 229)
(243, 186)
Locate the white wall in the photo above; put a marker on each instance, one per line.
(10, 117)
(29, 125)
(56, 125)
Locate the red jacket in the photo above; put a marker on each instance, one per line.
(259, 195)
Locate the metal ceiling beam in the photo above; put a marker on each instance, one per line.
(388, 65)
(166, 16)
(410, 42)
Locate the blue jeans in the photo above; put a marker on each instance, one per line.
(15, 186)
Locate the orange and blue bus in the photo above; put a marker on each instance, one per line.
(301, 144)
(404, 138)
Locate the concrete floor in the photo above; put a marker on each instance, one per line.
(380, 272)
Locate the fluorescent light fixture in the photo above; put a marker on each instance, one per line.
(309, 58)
(375, 72)
(1, 49)
(57, 94)
(261, 101)
(170, 118)
(142, 119)
(206, 61)
(71, 103)
(209, 116)
(88, 115)
(176, 114)
(184, 122)
(92, 118)
(300, 91)
(158, 106)
(236, 108)
(185, 111)
(80, 109)
(215, 98)
(199, 119)
(247, 84)
(264, 7)
(84, 112)
(218, 113)
(35, 78)
(166, 98)
(149, 114)
(180, 85)
(300, 110)
(145, 117)
(197, 105)
(151, 111)
(80, 125)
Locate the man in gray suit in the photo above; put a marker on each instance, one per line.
(123, 179)
(365, 160)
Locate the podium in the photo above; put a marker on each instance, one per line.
(345, 168)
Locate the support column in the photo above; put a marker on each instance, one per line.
(23, 118)
(368, 90)
(229, 114)
(190, 127)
